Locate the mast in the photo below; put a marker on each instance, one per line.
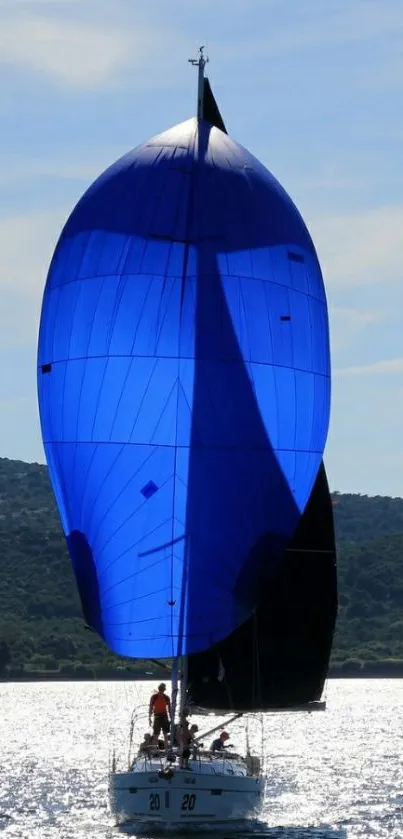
(179, 670)
(184, 684)
(179, 666)
(200, 63)
(180, 663)
(174, 697)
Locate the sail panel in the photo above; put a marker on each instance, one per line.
(178, 401)
(279, 658)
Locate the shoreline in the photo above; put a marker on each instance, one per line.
(114, 676)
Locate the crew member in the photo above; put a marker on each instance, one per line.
(187, 742)
(219, 744)
(146, 745)
(160, 707)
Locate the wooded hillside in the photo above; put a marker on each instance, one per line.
(41, 626)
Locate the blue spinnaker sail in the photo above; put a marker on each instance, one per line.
(184, 388)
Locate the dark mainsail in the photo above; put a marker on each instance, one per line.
(280, 656)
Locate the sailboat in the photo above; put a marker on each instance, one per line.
(184, 395)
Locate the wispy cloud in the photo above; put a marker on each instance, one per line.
(20, 169)
(93, 44)
(12, 403)
(354, 317)
(346, 21)
(392, 365)
(29, 4)
(26, 246)
(347, 175)
(99, 42)
(79, 54)
(346, 323)
(363, 248)
(313, 25)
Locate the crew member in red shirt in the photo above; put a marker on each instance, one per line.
(160, 707)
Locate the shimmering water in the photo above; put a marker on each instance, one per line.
(332, 775)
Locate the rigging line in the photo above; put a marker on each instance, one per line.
(311, 319)
(123, 257)
(258, 668)
(292, 337)
(161, 664)
(191, 242)
(109, 472)
(63, 477)
(165, 636)
(308, 551)
(210, 447)
(133, 242)
(164, 306)
(97, 402)
(141, 312)
(145, 394)
(227, 684)
(223, 360)
(116, 499)
(163, 546)
(73, 315)
(132, 600)
(217, 727)
(85, 485)
(102, 571)
(62, 481)
(155, 619)
(272, 343)
(122, 393)
(175, 386)
(219, 581)
(87, 357)
(149, 533)
(55, 319)
(120, 288)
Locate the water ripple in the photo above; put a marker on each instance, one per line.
(336, 775)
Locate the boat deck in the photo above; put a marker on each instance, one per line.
(205, 763)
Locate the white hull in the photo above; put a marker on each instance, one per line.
(215, 791)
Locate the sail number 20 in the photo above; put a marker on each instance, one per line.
(188, 801)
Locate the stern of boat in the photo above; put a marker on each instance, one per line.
(207, 794)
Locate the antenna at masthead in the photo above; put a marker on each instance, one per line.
(200, 63)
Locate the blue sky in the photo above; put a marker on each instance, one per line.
(311, 87)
